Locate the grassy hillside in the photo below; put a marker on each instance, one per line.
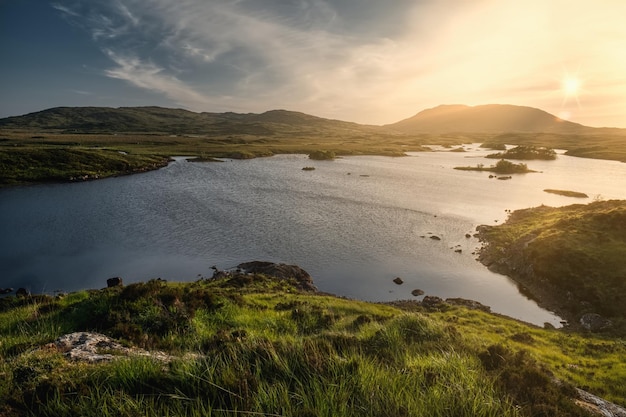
(570, 258)
(255, 345)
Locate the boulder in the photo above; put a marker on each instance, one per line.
(398, 280)
(432, 302)
(114, 282)
(22, 292)
(281, 271)
(96, 347)
(417, 292)
(474, 305)
(594, 322)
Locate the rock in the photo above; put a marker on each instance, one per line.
(435, 237)
(594, 322)
(417, 292)
(281, 271)
(433, 302)
(22, 292)
(458, 250)
(599, 406)
(114, 282)
(95, 347)
(467, 235)
(398, 280)
(474, 305)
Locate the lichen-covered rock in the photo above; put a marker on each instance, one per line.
(96, 347)
(594, 322)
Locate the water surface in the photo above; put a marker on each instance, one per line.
(354, 223)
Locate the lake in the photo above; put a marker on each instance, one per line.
(354, 223)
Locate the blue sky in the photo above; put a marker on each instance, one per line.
(368, 61)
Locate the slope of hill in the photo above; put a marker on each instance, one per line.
(491, 118)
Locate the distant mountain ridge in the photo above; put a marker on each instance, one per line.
(490, 118)
(159, 119)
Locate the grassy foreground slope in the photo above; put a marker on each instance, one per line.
(255, 345)
(573, 259)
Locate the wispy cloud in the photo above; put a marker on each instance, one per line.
(149, 76)
(65, 10)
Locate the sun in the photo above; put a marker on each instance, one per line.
(570, 86)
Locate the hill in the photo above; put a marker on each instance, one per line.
(175, 121)
(491, 118)
(255, 344)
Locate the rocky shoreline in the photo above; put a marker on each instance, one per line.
(512, 263)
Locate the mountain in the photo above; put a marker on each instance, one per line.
(491, 118)
(164, 120)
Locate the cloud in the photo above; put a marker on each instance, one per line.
(149, 76)
(65, 10)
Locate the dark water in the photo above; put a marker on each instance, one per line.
(354, 224)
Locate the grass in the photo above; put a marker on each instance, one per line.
(571, 258)
(62, 163)
(266, 348)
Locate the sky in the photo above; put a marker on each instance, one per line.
(366, 61)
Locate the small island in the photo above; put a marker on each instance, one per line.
(322, 155)
(525, 152)
(501, 167)
(567, 193)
